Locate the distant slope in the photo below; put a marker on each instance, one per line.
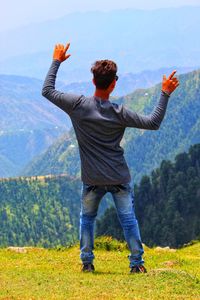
(6, 166)
(144, 150)
(127, 83)
(63, 155)
(136, 39)
(22, 106)
(17, 148)
(29, 123)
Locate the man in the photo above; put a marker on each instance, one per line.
(99, 126)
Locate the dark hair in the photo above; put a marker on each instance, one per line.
(104, 72)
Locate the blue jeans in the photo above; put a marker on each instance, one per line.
(124, 202)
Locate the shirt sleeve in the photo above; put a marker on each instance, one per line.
(151, 122)
(65, 101)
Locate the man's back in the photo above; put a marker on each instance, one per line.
(99, 129)
(99, 126)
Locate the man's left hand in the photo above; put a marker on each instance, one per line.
(60, 52)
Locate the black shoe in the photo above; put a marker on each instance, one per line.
(138, 269)
(88, 268)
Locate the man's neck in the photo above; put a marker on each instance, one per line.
(103, 94)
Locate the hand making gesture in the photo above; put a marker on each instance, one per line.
(170, 84)
(60, 52)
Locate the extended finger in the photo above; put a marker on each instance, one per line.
(174, 79)
(67, 47)
(175, 85)
(172, 74)
(164, 77)
(67, 56)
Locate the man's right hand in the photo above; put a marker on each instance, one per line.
(60, 52)
(170, 84)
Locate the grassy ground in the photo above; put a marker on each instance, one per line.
(55, 274)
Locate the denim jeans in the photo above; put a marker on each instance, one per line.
(124, 202)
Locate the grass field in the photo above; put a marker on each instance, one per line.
(56, 274)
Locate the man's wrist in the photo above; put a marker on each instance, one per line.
(57, 60)
(166, 93)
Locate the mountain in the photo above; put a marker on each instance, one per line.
(61, 156)
(179, 130)
(167, 203)
(29, 124)
(144, 150)
(22, 106)
(17, 148)
(136, 39)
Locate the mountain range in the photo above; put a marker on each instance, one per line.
(127, 83)
(136, 39)
(30, 124)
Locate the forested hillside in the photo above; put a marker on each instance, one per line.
(61, 157)
(44, 211)
(167, 203)
(180, 128)
(144, 150)
(40, 211)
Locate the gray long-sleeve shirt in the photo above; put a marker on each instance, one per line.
(99, 126)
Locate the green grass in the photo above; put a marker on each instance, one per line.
(56, 274)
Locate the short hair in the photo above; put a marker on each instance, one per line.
(104, 72)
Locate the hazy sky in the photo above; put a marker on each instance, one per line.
(16, 13)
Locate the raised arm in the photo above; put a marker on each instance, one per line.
(63, 100)
(153, 121)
